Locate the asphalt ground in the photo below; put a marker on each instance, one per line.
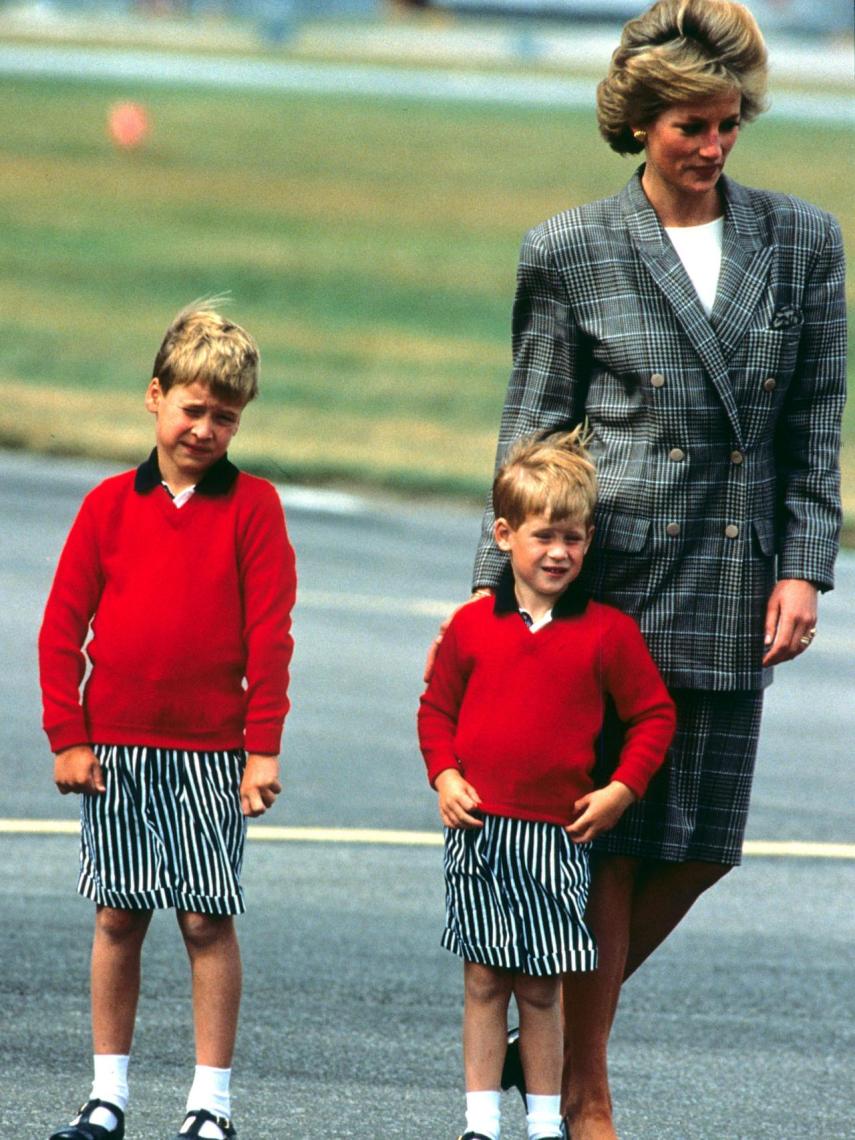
(739, 1028)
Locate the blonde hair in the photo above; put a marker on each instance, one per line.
(680, 51)
(546, 475)
(200, 345)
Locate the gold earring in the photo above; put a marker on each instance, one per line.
(639, 135)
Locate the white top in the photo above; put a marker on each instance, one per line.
(533, 625)
(699, 249)
(181, 498)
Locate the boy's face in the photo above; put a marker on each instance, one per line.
(546, 556)
(193, 430)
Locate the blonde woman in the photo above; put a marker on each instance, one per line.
(699, 326)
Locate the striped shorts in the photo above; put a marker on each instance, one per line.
(697, 805)
(168, 831)
(515, 896)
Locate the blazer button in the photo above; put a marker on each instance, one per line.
(672, 530)
(736, 457)
(657, 380)
(677, 454)
(770, 385)
(731, 531)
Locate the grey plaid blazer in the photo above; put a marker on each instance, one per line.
(716, 439)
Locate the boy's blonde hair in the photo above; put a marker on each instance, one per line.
(546, 475)
(200, 345)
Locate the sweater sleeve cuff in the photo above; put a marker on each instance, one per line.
(263, 739)
(67, 735)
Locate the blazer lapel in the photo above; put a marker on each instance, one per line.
(745, 267)
(665, 268)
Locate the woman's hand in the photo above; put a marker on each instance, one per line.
(790, 620)
(434, 645)
(457, 799)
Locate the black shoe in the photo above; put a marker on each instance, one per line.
(200, 1116)
(512, 1070)
(81, 1129)
(473, 1136)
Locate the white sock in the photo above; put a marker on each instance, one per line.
(110, 1082)
(543, 1116)
(483, 1113)
(210, 1090)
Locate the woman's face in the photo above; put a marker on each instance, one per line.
(688, 144)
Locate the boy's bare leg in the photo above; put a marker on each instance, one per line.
(215, 967)
(541, 1052)
(664, 894)
(115, 973)
(590, 1002)
(486, 993)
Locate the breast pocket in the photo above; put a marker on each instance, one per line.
(770, 352)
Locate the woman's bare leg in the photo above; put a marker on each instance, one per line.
(664, 894)
(634, 906)
(590, 1001)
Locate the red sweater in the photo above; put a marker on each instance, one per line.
(186, 605)
(519, 712)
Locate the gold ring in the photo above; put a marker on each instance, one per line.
(805, 641)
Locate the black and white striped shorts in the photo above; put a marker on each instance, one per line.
(168, 831)
(515, 896)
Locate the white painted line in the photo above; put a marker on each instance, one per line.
(360, 835)
(320, 500)
(757, 848)
(374, 603)
(796, 849)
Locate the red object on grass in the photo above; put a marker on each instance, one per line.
(128, 124)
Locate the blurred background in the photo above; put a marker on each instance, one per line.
(357, 174)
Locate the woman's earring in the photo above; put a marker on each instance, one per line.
(639, 135)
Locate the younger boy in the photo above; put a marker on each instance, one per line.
(185, 572)
(507, 727)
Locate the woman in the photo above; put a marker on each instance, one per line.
(699, 326)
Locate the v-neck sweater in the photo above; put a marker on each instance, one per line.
(190, 614)
(518, 713)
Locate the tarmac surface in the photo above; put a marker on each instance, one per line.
(742, 1027)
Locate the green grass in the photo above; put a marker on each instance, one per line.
(369, 245)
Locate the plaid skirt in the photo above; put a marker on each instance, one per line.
(697, 805)
(168, 831)
(515, 896)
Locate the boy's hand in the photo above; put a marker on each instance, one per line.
(456, 800)
(434, 645)
(260, 784)
(77, 770)
(599, 811)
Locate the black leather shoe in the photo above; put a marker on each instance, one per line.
(512, 1070)
(200, 1116)
(81, 1129)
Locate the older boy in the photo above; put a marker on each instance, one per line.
(185, 572)
(508, 726)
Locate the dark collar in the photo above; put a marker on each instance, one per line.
(217, 480)
(572, 601)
